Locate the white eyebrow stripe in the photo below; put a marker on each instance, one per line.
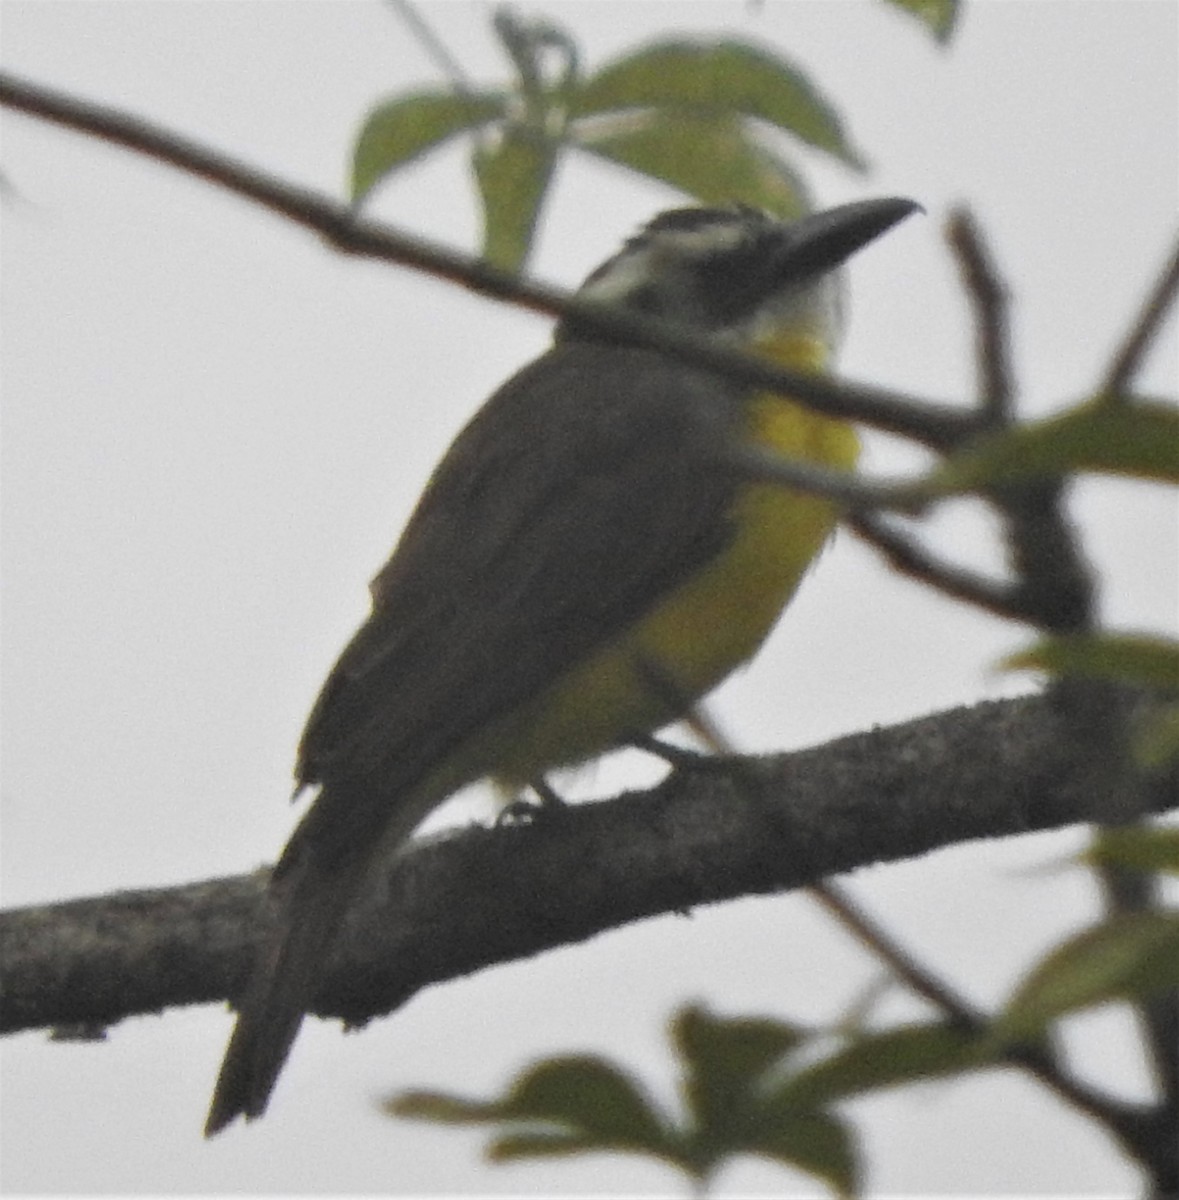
(619, 278)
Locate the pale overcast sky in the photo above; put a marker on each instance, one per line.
(214, 428)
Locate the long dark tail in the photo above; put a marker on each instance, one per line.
(312, 899)
(315, 881)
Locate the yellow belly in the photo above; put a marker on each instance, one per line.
(713, 622)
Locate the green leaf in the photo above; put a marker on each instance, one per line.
(939, 16)
(560, 1106)
(1136, 438)
(816, 1142)
(1124, 958)
(715, 158)
(1156, 737)
(719, 78)
(733, 1047)
(399, 130)
(593, 1098)
(537, 1144)
(728, 1068)
(888, 1059)
(1141, 847)
(725, 1068)
(585, 1104)
(513, 176)
(726, 1060)
(442, 1109)
(1130, 658)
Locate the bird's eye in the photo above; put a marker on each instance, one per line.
(645, 299)
(735, 282)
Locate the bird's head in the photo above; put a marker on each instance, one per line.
(741, 275)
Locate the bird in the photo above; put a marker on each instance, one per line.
(587, 560)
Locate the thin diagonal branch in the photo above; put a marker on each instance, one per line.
(988, 296)
(846, 487)
(928, 422)
(1128, 359)
(1133, 1126)
(1053, 578)
(909, 558)
(435, 48)
(872, 935)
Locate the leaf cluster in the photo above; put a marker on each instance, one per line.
(736, 1085)
(680, 112)
(770, 1088)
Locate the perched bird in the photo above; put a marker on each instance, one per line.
(585, 562)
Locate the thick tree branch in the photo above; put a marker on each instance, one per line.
(988, 771)
(934, 424)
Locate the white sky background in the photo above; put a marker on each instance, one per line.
(214, 428)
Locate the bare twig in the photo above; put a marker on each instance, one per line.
(903, 965)
(934, 424)
(988, 295)
(1131, 1124)
(912, 559)
(1053, 578)
(1128, 359)
(847, 488)
(433, 45)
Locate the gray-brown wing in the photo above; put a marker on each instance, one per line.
(584, 490)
